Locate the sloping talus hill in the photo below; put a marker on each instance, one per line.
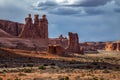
(13, 28)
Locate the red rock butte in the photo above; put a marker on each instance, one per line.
(36, 30)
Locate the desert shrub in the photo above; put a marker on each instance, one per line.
(42, 67)
(27, 70)
(102, 78)
(5, 65)
(95, 78)
(98, 67)
(66, 78)
(21, 74)
(114, 76)
(116, 69)
(37, 79)
(17, 78)
(104, 67)
(106, 71)
(23, 65)
(4, 70)
(52, 64)
(95, 63)
(29, 58)
(30, 65)
(1, 78)
(61, 78)
(77, 78)
(53, 67)
(45, 65)
(83, 75)
(89, 67)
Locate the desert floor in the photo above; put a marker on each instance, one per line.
(34, 65)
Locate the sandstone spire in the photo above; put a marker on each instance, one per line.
(36, 19)
(38, 29)
(45, 26)
(73, 42)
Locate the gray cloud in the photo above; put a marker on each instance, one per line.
(100, 27)
(64, 11)
(117, 2)
(47, 3)
(94, 11)
(117, 10)
(90, 3)
(11, 11)
(76, 12)
(89, 7)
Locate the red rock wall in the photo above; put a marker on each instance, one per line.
(13, 28)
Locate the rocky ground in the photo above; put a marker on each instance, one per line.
(34, 65)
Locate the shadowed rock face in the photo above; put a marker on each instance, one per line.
(5, 34)
(56, 49)
(110, 46)
(36, 30)
(73, 43)
(10, 27)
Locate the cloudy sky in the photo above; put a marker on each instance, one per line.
(93, 20)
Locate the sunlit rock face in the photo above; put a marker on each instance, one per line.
(36, 30)
(112, 46)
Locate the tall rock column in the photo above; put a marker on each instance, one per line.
(38, 30)
(36, 19)
(45, 26)
(73, 43)
(27, 30)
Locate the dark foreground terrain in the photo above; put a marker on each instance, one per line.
(34, 65)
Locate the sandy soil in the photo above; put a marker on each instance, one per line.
(54, 67)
